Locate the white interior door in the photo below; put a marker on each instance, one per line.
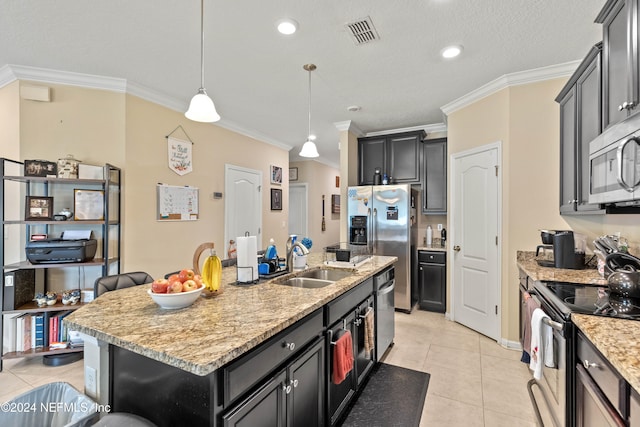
(298, 209)
(243, 204)
(475, 240)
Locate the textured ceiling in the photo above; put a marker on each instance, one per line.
(255, 75)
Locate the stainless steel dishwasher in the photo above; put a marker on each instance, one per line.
(383, 287)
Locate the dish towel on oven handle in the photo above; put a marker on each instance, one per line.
(342, 357)
(542, 351)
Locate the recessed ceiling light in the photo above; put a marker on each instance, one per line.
(353, 108)
(312, 137)
(287, 26)
(451, 51)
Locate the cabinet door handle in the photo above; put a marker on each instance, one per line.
(456, 248)
(289, 345)
(588, 364)
(286, 388)
(294, 383)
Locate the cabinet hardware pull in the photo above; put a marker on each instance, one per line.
(588, 364)
(286, 388)
(290, 345)
(295, 383)
(456, 248)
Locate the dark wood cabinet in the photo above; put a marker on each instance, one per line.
(434, 182)
(372, 154)
(432, 281)
(619, 19)
(397, 155)
(580, 122)
(294, 397)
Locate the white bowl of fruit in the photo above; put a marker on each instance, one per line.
(178, 291)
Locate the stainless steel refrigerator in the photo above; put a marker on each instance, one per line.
(382, 217)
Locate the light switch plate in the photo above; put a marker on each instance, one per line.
(439, 227)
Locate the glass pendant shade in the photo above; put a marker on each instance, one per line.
(309, 149)
(201, 108)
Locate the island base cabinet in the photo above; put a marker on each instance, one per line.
(293, 398)
(163, 394)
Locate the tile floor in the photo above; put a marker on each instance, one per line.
(474, 381)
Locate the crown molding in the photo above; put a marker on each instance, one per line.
(437, 127)
(350, 126)
(10, 73)
(42, 75)
(508, 80)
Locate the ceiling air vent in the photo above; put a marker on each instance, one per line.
(362, 31)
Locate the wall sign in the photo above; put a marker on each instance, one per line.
(180, 155)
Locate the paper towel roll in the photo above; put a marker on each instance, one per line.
(247, 250)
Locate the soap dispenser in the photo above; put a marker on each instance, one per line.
(429, 235)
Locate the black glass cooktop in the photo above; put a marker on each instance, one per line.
(597, 300)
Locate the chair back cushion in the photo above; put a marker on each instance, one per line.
(120, 281)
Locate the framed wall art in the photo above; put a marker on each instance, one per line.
(276, 174)
(276, 199)
(88, 205)
(293, 174)
(38, 208)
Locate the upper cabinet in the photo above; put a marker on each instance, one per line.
(620, 80)
(434, 185)
(580, 122)
(397, 155)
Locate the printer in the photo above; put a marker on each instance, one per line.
(70, 247)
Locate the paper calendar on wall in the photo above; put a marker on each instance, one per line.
(177, 203)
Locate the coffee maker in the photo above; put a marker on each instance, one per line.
(568, 251)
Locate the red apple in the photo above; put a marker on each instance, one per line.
(198, 279)
(159, 286)
(186, 274)
(174, 287)
(174, 277)
(189, 285)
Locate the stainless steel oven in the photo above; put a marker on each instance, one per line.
(549, 394)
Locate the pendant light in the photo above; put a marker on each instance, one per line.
(309, 148)
(201, 108)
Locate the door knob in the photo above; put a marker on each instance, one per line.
(456, 248)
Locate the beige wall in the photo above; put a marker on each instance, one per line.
(321, 180)
(106, 127)
(159, 247)
(526, 119)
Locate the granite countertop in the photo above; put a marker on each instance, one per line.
(213, 331)
(527, 262)
(437, 248)
(617, 339)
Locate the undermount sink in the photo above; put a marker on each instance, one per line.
(316, 278)
(307, 282)
(331, 275)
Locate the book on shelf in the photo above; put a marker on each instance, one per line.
(75, 339)
(23, 332)
(9, 333)
(38, 330)
(57, 345)
(62, 327)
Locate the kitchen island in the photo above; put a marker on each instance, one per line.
(188, 347)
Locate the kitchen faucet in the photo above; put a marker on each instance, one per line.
(290, 249)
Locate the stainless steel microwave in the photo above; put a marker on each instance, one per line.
(614, 168)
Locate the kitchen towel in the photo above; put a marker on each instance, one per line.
(529, 306)
(541, 344)
(342, 358)
(369, 341)
(247, 261)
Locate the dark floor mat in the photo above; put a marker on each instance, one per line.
(393, 397)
